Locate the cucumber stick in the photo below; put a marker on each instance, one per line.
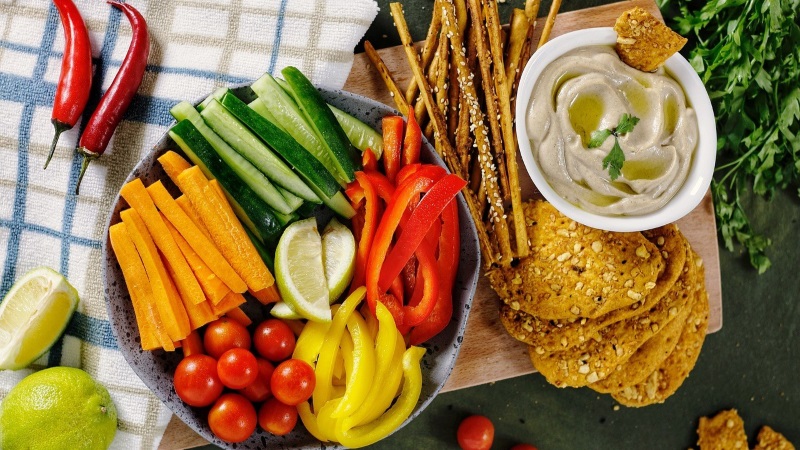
(256, 180)
(288, 116)
(254, 213)
(361, 135)
(236, 134)
(309, 168)
(323, 121)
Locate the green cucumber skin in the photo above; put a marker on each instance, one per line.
(248, 145)
(361, 135)
(244, 170)
(288, 116)
(284, 144)
(264, 222)
(321, 117)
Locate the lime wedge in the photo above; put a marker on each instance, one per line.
(299, 271)
(33, 315)
(282, 310)
(338, 257)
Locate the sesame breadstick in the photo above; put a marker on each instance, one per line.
(394, 91)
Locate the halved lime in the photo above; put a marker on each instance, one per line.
(338, 257)
(33, 315)
(282, 310)
(300, 273)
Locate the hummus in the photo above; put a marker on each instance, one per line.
(589, 89)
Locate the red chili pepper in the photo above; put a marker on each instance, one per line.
(447, 262)
(412, 143)
(425, 214)
(116, 100)
(75, 79)
(368, 160)
(384, 233)
(371, 207)
(392, 145)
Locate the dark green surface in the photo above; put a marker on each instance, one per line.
(752, 364)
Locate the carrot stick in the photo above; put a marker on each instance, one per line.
(203, 246)
(200, 313)
(212, 286)
(187, 207)
(192, 345)
(225, 229)
(151, 331)
(137, 197)
(173, 164)
(267, 295)
(172, 314)
(238, 315)
(232, 300)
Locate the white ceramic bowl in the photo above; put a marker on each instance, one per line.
(702, 165)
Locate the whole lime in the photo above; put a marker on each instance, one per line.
(57, 408)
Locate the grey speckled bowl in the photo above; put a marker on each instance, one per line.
(156, 368)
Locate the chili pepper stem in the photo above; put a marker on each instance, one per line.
(60, 128)
(87, 158)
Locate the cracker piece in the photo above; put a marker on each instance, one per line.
(598, 357)
(725, 431)
(769, 439)
(643, 41)
(550, 334)
(669, 376)
(576, 271)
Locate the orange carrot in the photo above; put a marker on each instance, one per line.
(187, 207)
(240, 316)
(295, 325)
(212, 286)
(200, 313)
(173, 314)
(151, 331)
(137, 197)
(232, 300)
(173, 165)
(225, 229)
(204, 248)
(267, 295)
(193, 344)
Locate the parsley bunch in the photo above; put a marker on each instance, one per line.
(747, 53)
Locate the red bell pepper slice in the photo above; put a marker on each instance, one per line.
(447, 262)
(425, 214)
(428, 170)
(392, 145)
(371, 207)
(368, 160)
(382, 185)
(412, 143)
(429, 274)
(385, 232)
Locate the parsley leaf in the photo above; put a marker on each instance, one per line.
(746, 53)
(615, 158)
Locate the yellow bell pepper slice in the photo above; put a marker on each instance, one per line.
(310, 421)
(327, 424)
(388, 422)
(310, 341)
(360, 377)
(330, 348)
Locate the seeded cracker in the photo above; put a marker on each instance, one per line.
(643, 41)
(665, 380)
(725, 431)
(769, 439)
(576, 271)
(550, 335)
(599, 356)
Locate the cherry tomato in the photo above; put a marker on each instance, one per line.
(293, 381)
(232, 418)
(196, 380)
(475, 433)
(237, 368)
(224, 334)
(274, 340)
(523, 447)
(276, 417)
(259, 391)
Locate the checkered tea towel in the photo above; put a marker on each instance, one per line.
(196, 45)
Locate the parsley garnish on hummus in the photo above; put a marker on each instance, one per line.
(615, 158)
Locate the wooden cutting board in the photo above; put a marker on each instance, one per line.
(486, 344)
